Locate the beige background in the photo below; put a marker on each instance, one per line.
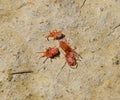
(92, 26)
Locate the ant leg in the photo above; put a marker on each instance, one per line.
(47, 39)
(76, 65)
(61, 69)
(41, 56)
(39, 52)
(75, 48)
(47, 36)
(64, 65)
(45, 60)
(78, 59)
(51, 60)
(80, 56)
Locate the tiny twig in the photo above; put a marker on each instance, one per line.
(22, 72)
(114, 29)
(116, 26)
(83, 4)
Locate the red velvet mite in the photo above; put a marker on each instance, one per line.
(55, 34)
(50, 52)
(66, 48)
(70, 54)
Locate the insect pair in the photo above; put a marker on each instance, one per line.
(51, 52)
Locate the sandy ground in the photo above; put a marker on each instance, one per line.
(92, 26)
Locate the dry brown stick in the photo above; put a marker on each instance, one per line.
(22, 72)
(83, 3)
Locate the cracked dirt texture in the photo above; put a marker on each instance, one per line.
(92, 26)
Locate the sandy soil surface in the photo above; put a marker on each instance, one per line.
(92, 26)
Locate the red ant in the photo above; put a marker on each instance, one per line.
(70, 54)
(66, 48)
(50, 52)
(55, 34)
